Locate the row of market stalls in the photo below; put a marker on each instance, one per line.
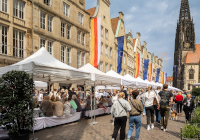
(44, 67)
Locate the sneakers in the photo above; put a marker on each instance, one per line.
(148, 127)
(144, 114)
(165, 129)
(152, 126)
(162, 128)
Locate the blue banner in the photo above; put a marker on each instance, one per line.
(146, 65)
(175, 70)
(157, 75)
(165, 78)
(120, 41)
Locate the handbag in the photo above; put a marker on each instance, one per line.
(136, 108)
(122, 105)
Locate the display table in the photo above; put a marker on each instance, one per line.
(99, 111)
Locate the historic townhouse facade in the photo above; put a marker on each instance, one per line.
(61, 26)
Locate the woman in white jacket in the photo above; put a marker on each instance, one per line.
(149, 97)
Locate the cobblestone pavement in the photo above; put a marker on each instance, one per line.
(81, 130)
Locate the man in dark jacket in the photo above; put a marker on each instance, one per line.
(126, 94)
(188, 107)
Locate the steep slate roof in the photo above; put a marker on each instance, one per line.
(91, 11)
(169, 79)
(114, 23)
(197, 50)
(191, 57)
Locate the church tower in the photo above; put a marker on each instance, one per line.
(184, 42)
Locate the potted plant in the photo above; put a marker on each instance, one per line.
(190, 132)
(16, 108)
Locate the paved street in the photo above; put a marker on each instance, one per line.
(81, 130)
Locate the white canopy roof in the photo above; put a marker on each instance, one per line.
(46, 68)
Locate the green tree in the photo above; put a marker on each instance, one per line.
(196, 91)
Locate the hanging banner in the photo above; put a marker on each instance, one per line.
(138, 64)
(151, 65)
(157, 76)
(175, 69)
(146, 65)
(120, 41)
(164, 77)
(95, 49)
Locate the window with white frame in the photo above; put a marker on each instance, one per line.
(101, 31)
(101, 66)
(47, 2)
(80, 18)
(78, 59)
(106, 48)
(101, 47)
(18, 9)
(68, 31)
(18, 44)
(50, 23)
(79, 37)
(49, 47)
(110, 66)
(4, 5)
(63, 54)
(83, 39)
(106, 33)
(3, 39)
(69, 56)
(66, 9)
(62, 29)
(110, 52)
(42, 43)
(42, 20)
(106, 67)
(83, 59)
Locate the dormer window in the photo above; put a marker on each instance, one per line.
(47, 2)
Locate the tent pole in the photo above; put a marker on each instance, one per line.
(94, 106)
(91, 102)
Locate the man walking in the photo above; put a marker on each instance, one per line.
(157, 112)
(165, 99)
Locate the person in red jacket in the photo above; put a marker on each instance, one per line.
(179, 99)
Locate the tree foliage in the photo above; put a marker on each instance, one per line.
(16, 104)
(196, 91)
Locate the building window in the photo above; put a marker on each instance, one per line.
(106, 48)
(83, 59)
(79, 37)
(42, 43)
(47, 2)
(3, 39)
(101, 48)
(83, 39)
(78, 59)
(63, 54)
(18, 9)
(68, 31)
(42, 20)
(101, 66)
(18, 44)
(69, 56)
(4, 6)
(80, 18)
(188, 86)
(62, 29)
(110, 66)
(65, 9)
(50, 23)
(106, 33)
(106, 67)
(191, 74)
(49, 47)
(110, 52)
(101, 31)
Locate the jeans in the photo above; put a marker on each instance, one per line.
(83, 112)
(164, 111)
(137, 121)
(179, 106)
(120, 123)
(157, 114)
(150, 114)
(144, 108)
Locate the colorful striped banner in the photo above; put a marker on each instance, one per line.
(164, 77)
(95, 49)
(151, 66)
(138, 64)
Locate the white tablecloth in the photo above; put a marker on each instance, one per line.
(39, 123)
(98, 111)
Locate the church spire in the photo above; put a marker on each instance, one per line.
(184, 11)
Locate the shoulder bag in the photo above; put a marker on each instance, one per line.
(136, 108)
(122, 105)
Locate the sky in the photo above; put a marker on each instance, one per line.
(156, 20)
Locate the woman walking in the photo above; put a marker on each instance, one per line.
(149, 97)
(135, 115)
(120, 108)
(188, 106)
(179, 99)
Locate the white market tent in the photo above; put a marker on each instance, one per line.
(46, 68)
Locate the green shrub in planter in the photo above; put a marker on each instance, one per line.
(16, 105)
(195, 120)
(190, 131)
